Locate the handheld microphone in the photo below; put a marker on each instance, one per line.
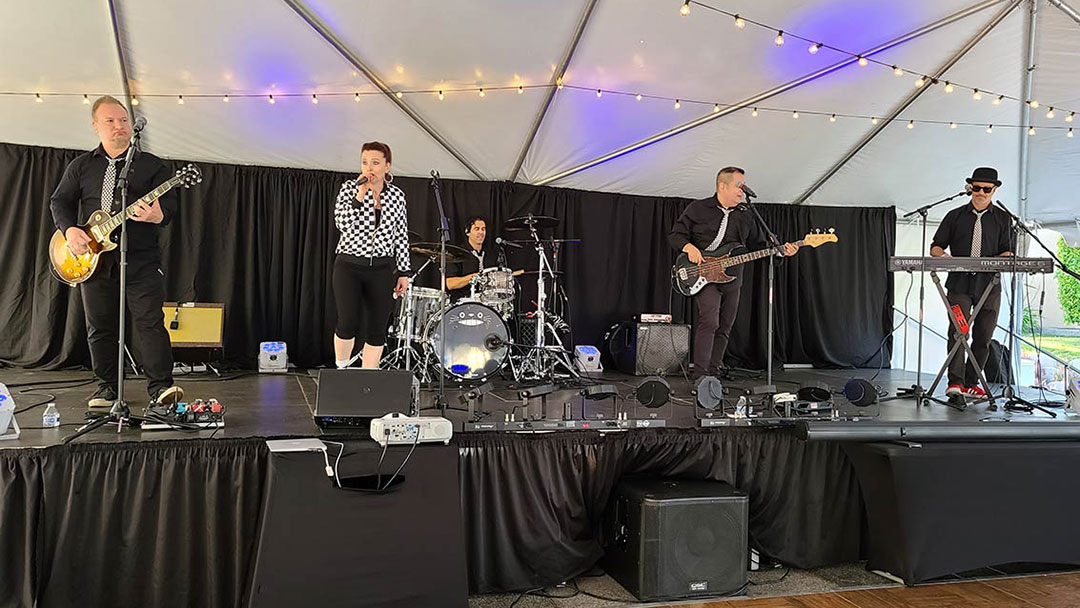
(362, 180)
(501, 241)
(749, 192)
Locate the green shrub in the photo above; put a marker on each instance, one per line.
(1069, 287)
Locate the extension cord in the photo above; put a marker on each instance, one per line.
(399, 429)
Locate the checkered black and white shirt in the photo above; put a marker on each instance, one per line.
(359, 236)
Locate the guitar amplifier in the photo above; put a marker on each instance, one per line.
(645, 349)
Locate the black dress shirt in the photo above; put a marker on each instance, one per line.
(955, 234)
(700, 222)
(469, 265)
(79, 195)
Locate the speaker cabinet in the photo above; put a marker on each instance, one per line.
(671, 538)
(646, 349)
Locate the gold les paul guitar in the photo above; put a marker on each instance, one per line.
(73, 269)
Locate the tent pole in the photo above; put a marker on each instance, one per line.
(114, 19)
(1025, 161)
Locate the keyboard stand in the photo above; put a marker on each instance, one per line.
(961, 342)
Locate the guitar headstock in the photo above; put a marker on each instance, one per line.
(820, 237)
(189, 175)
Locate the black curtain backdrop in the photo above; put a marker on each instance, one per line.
(261, 240)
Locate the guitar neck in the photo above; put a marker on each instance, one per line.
(754, 255)
(113, 222)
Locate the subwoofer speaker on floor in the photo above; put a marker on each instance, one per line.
(646, 349)
(671, 538)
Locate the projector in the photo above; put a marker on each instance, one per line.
(399, 429)
(273, 358)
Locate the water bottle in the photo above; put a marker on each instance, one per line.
(51, 417)
(740, 407)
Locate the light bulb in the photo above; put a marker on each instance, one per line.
(874, 120)
(599, 93)
(976, 95)
(948, 87)
(441, 96)
(1034, 103)
(795, 114)
(558, 82)
(1070, 117)
(779, 40)
(1031, 130)
(989, 128)
(1069, 134)
(863, 62)
(86, 100)
(997, 100)
(134, 101)
(740, 22)
(684, 10)
(37, 98)
(1050, 112)
(911, 124)
(180, 100)
(270, 99)
(677, 104)
(897, 70)
(314, 98)
(920, 82)
(832, 118)
(952, 125)
(356, 97)
(482, 93)
(716, 108)
(399, 94)
(638, 97)
(225, 99)
(521, 89)
(814, 48)
(753, 113)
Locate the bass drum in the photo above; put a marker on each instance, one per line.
(476, 341)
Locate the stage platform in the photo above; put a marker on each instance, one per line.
(530, 502)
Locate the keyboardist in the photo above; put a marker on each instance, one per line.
(977, 229)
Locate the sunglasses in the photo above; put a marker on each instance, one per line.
(986, 189)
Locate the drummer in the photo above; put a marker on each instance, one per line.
(461, 274)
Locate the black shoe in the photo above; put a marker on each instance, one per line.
(103, 397)
(167, 396)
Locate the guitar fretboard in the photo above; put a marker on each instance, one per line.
(105, 228)
(753, 255)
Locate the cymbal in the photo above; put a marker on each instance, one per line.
(454, 253)
(533, 273)
(526, 221)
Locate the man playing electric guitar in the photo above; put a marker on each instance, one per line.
(708, 224)
(90, 183)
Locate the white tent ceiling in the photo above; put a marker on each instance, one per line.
(249, 47)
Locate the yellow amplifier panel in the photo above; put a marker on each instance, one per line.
(197, 324)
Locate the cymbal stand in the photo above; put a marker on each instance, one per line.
(405, 353)
(541, 360)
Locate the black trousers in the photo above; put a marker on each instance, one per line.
(961, 371)
(145, 294)
(364, 296)
(717, 304)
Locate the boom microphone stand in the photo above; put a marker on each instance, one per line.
(444, 237)
(119, 412)
(774, 244)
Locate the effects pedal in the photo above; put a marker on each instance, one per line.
(399, 429)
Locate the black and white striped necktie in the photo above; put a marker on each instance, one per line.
(976, 234)
(108, 186)
(720, 233)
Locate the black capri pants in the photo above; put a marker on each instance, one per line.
(364, 295)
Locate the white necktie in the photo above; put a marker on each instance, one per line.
(720, 233)
(108, 186)
(976, 234)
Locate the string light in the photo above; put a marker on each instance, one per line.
(134, 101)
(441, 96)
(989, 128)
(948, 87)
(740, 22)
(270, 100)
(911, 124)
(897, 70)
(677, 104)
(86, 101)
(225, 99)
(716, 108)
(37, 98)
(976, 95)
(521, 89)
(874, 120)
(558, 82)
(684, 10)
(795, 114)
(862, 61)
(814, 48)
(920, 82)
(1069, 134)
(1070, 117)
(1050, 112)
(754, 113)
(952, 125)
(1031, 130)
(399, 94)
(356, 97)
(1034, 104)
(832, 118)
(482, 93)
(599, 93)
(314, 98)
(779, 40)
(997, 100)
(638, 97)
(180, 100)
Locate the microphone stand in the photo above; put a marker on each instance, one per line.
(1013, 400)
(119, 412)
(774, 244)
(916, 391)
(444, 237)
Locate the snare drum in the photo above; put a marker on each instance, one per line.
(420, 305)
(476, 341)
(494, 286)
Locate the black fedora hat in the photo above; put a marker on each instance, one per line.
(985, 174)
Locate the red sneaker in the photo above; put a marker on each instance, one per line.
(955, 390)
(975, 391)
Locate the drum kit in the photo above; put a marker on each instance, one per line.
(473, 339)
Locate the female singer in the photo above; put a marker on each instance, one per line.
(372, 263)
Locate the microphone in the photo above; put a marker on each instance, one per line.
(493, 342)
(502, 241)
(967, 190)
(362, 180)
(140, 124)
(749, 192)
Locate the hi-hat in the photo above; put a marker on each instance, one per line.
(454, 253)
(526, 222)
